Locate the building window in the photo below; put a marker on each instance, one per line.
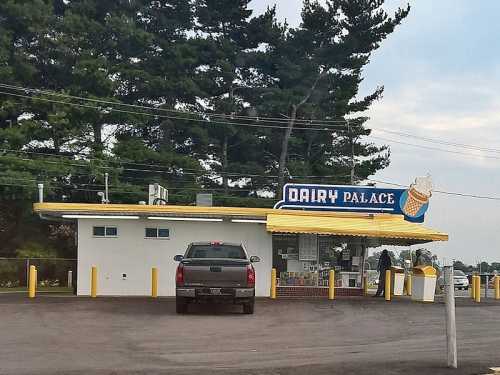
(105, 231)
(157, 233)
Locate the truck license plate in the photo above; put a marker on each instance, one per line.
(215, 291)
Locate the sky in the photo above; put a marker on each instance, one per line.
(441, 73)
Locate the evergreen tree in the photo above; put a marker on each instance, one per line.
(315, 72)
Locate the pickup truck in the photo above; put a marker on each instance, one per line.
(215, 271)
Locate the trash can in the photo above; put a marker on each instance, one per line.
(423, 284)
(397, 281)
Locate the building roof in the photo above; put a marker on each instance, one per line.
(387, 228)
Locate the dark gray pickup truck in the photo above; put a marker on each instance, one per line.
(215, 271)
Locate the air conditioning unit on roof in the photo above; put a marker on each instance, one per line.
(158, 195)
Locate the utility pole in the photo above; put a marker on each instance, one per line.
(451, 327)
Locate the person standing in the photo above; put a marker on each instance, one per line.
(419, 259)
(384, 263)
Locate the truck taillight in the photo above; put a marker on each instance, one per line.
(250, 276)
(179, 275)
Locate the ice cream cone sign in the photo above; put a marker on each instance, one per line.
(415, 201)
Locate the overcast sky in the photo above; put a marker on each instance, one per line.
(441, 75)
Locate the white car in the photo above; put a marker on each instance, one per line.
(460, 280)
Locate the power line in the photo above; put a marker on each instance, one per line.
(443, 142)
(324, 123)
(347, 123)
(208, 173)
(435, 148)
(467, 195)
(250, 125)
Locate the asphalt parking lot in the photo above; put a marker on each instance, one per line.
(71, 335)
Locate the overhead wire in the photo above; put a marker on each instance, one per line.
(467, 195)
(303, 122)
(347, 122)
(180, 170)
(442, 142)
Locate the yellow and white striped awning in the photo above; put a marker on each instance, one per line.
(375, 226)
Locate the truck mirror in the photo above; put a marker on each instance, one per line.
(179, 258)
(254, 259)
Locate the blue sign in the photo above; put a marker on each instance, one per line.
(412, 202)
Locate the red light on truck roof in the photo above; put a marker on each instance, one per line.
(215, 243)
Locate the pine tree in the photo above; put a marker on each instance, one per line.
(315, 72)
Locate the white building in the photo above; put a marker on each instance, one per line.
(124, 242)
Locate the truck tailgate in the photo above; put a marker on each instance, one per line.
(215, 272)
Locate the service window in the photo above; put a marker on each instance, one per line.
(157, 233)
(105, 231)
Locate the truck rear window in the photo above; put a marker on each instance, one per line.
(216, 251)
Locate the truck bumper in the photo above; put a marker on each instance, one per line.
(205, 292)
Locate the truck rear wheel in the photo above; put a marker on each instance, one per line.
(180, 305)
(248, 308)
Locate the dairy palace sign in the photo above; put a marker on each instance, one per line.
(412, 202)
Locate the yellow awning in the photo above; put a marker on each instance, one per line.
(383, 226)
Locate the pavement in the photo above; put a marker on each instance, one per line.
(55, 334)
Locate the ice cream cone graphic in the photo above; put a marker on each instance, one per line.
(417, 196)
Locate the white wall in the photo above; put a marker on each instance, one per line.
(134, 255)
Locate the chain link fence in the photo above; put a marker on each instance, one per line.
(53, 274)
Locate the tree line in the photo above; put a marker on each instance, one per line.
(197, 95)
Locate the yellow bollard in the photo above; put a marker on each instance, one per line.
(36, 278)
(273, 283)
(154, 282)
(387, 291)
(93, 282)
(472, 286)
(477, 289)
(408, 284)
(497, 287)
(331, 284)
(365, 285)
(32, 282)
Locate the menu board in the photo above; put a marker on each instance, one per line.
(308, 247)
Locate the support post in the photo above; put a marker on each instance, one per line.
(472, 287)
(486, 287)
(36, 278)
(365, 285)
(93, 282)
(497, 287)
(387, 291)
(32, 282)
(70, 279)
(477, 289)
(273, 283)
(27, 272)
(408, 284)
(451, 328)
(331, 284)
(154, 282)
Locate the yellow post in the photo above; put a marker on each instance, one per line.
(408, 284)
(365, 285)
(477, 289)
(32, 282)
(331, 284)
(36, 278)
(497, 287)
(273, 283)
(154, 282)
(472, 286)
(387, 291)
(93, 282)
